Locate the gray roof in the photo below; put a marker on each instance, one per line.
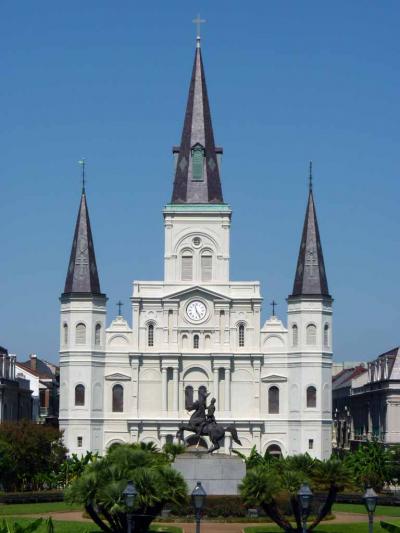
(82, 276)
(197, 129)
(310, 278)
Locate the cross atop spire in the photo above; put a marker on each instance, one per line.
(310, 278)
(198, 21)
(197, 179)
(82, 163)
(310, 178)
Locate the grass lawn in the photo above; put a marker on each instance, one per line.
(82, 527)
(331, 528)
(13, 509)
(383, 510)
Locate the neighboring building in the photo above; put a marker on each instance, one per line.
(196, 329)
(338, 366)
(44, 380)
(366, 402)
(15, 395)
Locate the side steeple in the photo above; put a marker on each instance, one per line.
(82, 276)
(197, 178)
(310, 278)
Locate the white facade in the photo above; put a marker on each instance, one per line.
(222, 347)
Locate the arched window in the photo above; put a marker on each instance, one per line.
(169, 439)
(184, 342)
(202, 392)
(241, 335)
(150, 335)
(117, 399)
(65, 334)
(187, 266)
(97, 335)
(326, 335)
(79, 395)
(295, 335)
(80, 334)
(188, 397)
(196, 341)
(273, 400)
(274, 449)
(206, 266)
(311, 334)
(207, 342)
(311, 396)
(197, 162)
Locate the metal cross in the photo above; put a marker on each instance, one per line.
(273, 304)
(82, 163)
(198, 21)
(119, 304)
(310, 177)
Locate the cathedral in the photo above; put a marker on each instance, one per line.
(196, 331)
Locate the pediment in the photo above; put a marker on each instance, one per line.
(117, 376)
(274, 378)
(198, 290)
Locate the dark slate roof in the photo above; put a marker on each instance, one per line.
(310, 278)
(3, 351)
(82, 276)
(197, 129)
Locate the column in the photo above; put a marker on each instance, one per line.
(216, 384)
(227, 389)
(176, 389)
(164, 390)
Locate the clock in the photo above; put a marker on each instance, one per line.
(196, 311)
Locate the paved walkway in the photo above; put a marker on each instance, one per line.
(217, 527)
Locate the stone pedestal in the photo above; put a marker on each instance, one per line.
(220, 474)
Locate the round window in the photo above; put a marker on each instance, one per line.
(196, 241)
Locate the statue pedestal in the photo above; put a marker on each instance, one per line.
(220, 474)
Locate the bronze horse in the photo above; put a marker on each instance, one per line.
(198, 424)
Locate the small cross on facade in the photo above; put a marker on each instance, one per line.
(198, 21)
(119, 304)
(273, 304)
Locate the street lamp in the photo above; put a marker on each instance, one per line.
(198, 500)
(370, 499)
(305, 497)
(129, 495)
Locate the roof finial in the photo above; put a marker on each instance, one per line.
(82, 163)
(310, 178)
(198, 21)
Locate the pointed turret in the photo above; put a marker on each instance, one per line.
(310, 278)
(197, 179)
(82, 277)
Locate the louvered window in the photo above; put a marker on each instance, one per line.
(150, 335)
(326, 335)
(206, 267)
(79, 395)
(97, 335)
(188, 397)
(311, 334)
(241, 335)
(295, 335)
(197, 163)
(273, 400)
(187, 267)
(311, 397)
(65, 331)
(80, 337)
(196, 342)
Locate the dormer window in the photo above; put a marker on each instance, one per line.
(197, 162)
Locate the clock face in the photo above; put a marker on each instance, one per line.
(196, 310)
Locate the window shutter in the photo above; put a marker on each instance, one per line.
(80, 334)
(187, 267)
(206, 267)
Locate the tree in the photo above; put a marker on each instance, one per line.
(102, 483)
(371, 465)
(269, 482)
(171, 450)
(30, 451)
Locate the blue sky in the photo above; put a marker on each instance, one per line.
(288, 82)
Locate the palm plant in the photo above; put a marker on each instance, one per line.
(100, 487)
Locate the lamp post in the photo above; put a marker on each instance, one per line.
(305, 497)
(198, 499)
(370, 499)
(129, 495)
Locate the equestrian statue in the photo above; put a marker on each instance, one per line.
(203, 424)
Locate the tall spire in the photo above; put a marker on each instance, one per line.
(82, 276)
(197, 179)
(310, 278)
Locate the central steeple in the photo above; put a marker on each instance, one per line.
(197, 178)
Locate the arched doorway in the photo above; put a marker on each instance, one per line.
(274, 450)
